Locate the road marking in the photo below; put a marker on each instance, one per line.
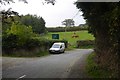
(21, 77)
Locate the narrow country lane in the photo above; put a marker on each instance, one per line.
(52, 66)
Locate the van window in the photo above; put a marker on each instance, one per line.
(56, 46)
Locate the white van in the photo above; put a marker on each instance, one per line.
(57, 47)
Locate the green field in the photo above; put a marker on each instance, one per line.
(83, 35)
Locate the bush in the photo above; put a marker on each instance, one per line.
(9, 42)
(23, 32)
(94, 70)
(32, 45)
(16, 37)
(36, 42)
(85, 43)
(21, 38)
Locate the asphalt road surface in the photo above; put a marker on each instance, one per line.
(66, 65)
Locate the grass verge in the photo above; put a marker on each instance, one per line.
(93, 70)
(69, 48)
(26, 54)
(87, 47)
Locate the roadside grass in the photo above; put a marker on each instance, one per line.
(26, 54)
(83, 35)
(69, 48)
(93, 70)
(87, 47)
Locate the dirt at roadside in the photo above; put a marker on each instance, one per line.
(78, 70)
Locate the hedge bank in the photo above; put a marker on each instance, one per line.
(85, 43)
(31, 47)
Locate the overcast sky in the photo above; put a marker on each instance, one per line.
(52, 14)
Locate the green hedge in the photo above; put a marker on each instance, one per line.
(85, 43)
(62, 29)
(10, 44)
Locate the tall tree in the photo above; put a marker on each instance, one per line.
(103, 20)
(37, 23)
(68, 23)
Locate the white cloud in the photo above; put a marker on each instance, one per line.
(53, 14)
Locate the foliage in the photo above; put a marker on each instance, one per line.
(103, 20)
(94, 70)
(83, 35)
(16, 36)
(85, 43)
(62, 29)
(83, 26)
(20, 38)
(6, 25)
(37, 23)
(24, 32)
(50, 1)
(9, 41)
(8, 13)
(5, 2)
(35, 46)
(68, 22)
(37, 42)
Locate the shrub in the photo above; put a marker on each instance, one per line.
(94, 70)
(23, 32)
(16, 37)
(83, 43)
(36, 42)
(21, 38)
(9, 42)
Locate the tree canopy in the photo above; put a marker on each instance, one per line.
(103, 20)
(68, 22)
(37, 23)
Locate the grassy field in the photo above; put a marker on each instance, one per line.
(83, 35)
